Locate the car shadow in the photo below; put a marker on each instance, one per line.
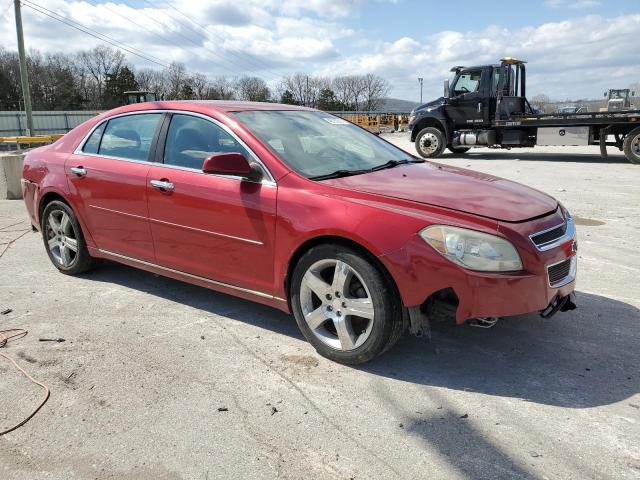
(537, 156)
(579, 359)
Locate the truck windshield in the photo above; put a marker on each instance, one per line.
(316, 144)
(467, 82)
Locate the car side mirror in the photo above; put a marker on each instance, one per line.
(605, 94)
(633, 94)
(232, 164)
(447, 90)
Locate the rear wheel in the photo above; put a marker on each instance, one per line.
(63, 239)
(430, 142)
(459, 150)
(345, 306)
(631, 146)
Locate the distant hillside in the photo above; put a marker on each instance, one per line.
(396, 105)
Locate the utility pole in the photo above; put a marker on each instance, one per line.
(420, 79)
(24, 77)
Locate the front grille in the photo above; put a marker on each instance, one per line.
(542, 238)
(560, 271)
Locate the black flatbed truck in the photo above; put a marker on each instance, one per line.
(486, 106)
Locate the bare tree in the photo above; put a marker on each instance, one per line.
(221, 88)
(253, 89)
(542, 102)
(152, 80)
(340, 87)
(375, 89)
(177, 81)
(200, 86)
(98, 63)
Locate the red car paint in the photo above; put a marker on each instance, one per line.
(240, 237)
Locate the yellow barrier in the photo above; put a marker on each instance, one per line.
(31, 140)
(376, 121)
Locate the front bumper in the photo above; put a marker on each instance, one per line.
(420, 272)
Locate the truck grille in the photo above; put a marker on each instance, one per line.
(562, 272)
(542, 238)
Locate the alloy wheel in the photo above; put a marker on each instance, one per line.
(61, 238)
(336, 304)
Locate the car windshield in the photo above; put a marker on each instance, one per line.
(317, 144)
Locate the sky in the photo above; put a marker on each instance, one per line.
(574, 48)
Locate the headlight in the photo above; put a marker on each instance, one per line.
(473, 250)
(412, 117)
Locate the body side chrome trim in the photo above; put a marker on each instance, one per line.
(195, 277)
(78, 150)
(217, 234)
(117, 211)
(155, 220)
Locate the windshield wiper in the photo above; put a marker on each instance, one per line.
(338, 174)
(395, 163)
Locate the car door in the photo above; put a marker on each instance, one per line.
(108, 179)
(213, 226)
(467, 105)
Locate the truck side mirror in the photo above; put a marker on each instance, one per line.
(447, 91)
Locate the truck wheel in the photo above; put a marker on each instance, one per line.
(459, 150)
(631, 146)
(430, 142)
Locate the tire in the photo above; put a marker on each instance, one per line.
(631, 146)
(63, 239)
(430, 142)
(458, 150)
(362, 286)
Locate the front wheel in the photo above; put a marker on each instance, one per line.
(631, 146)
(430, 142)
(345, 306)
(63, 239)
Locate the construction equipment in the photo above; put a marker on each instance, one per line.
(619, 99)
(139, 96)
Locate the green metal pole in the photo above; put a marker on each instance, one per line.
(24, 77)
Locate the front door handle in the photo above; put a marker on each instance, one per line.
(479, 107)
(79, 171)
(162, 185)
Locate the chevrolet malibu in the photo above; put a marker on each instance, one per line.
(303, 211)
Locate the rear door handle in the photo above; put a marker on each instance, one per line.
(479, 107)
(79, 171)
(162, 185)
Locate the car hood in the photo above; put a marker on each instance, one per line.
(454, 188)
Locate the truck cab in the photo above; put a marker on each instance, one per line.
(473, 101)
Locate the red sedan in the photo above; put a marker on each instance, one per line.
(303, 211)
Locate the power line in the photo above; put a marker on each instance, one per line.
(100, 36)
(199, 45)
(236, 54)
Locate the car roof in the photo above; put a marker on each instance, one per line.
(223, 106)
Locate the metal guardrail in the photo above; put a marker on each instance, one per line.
(13, 123)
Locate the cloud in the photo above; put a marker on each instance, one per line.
(575, 4)
(568, 59)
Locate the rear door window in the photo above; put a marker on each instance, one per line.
(92, 144)
(129, 137)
